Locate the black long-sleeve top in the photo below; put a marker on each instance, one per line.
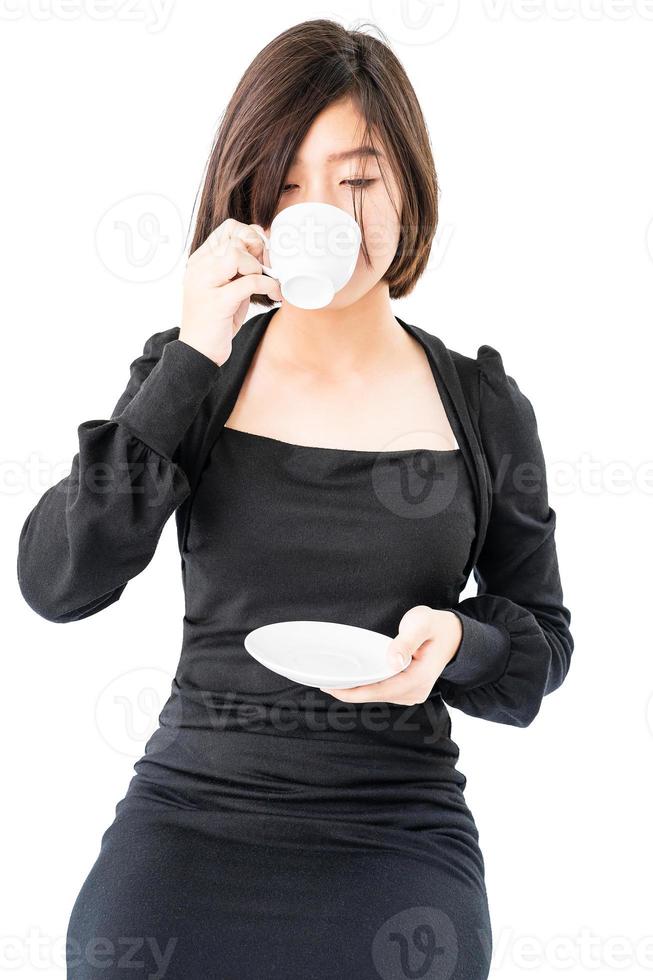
(95, 530)
(517, 644)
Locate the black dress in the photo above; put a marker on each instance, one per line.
(271, 830)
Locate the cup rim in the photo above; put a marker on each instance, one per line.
(316, 204)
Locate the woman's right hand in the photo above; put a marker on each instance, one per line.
(221, 276)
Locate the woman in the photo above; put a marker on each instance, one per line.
(322, 465)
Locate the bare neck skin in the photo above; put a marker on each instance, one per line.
(362, 338)
(350, 379)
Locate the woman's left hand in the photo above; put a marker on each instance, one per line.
(431, 637)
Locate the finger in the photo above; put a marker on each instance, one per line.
(236, 261)
(249, 239)
(397, 688)
(216, 240)
(415, 628)
(237, 290)
(216, 271)
(230, 231)
(239, 316)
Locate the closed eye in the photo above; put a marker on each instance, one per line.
(360, 181)
(352, 182)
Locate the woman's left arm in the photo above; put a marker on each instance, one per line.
(512, 644)
(516, 643)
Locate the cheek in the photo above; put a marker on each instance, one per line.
(382, 228)
(382, 231)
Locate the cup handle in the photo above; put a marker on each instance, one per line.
(266, 268)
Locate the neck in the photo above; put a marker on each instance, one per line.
(354, 338)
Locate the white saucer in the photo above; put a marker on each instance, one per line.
(322, 654)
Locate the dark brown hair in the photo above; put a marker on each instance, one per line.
(289, 82)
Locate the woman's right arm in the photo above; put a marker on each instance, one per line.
(99, 527)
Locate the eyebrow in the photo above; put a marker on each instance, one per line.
(359, 151)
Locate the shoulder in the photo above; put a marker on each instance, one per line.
(509, 427)
(500, 394)
(505, 413)
(489, 388)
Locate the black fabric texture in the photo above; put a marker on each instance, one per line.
(269, 829)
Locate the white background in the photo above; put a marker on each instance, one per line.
(539, 115)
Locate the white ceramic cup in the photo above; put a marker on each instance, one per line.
(313, 249)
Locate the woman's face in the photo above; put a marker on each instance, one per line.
(312, 176)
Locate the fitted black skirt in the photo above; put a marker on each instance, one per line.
(326, 870)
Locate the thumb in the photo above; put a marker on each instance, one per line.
(415, 628)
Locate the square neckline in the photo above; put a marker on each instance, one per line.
(363, 452)
(332, 449)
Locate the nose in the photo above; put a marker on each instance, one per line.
(315, 198)
(316, 188)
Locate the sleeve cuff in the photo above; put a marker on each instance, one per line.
(482, 656)
(168, 400)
